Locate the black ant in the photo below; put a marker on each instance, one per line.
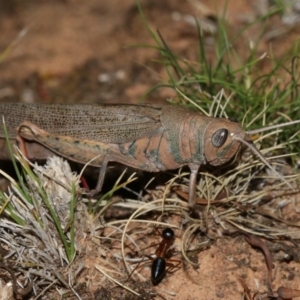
(162, 263)
(159, 264)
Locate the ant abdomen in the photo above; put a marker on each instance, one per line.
(158, 270)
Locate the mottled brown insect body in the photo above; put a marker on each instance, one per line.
(147, 137)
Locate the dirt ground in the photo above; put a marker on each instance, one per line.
(80, 51)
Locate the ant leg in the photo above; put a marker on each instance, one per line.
(131, 273)
(172, 264)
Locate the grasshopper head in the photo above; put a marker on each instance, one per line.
(221, 141)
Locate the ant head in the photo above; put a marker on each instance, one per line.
(168, 233)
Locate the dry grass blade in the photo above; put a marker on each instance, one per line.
(117, 282)
(35, 247)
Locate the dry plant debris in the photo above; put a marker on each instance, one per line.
(242, 200)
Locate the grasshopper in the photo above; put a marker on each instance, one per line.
(148, 137)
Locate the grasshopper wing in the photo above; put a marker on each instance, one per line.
(105, 123)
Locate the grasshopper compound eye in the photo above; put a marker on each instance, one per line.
(220, 144)
(219, 137)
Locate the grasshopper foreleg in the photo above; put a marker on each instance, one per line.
(192, 186)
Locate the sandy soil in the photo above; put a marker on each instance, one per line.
(79, 51)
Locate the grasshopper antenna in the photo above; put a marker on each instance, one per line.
(272, 127)
(259, 155)
(262, 158)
